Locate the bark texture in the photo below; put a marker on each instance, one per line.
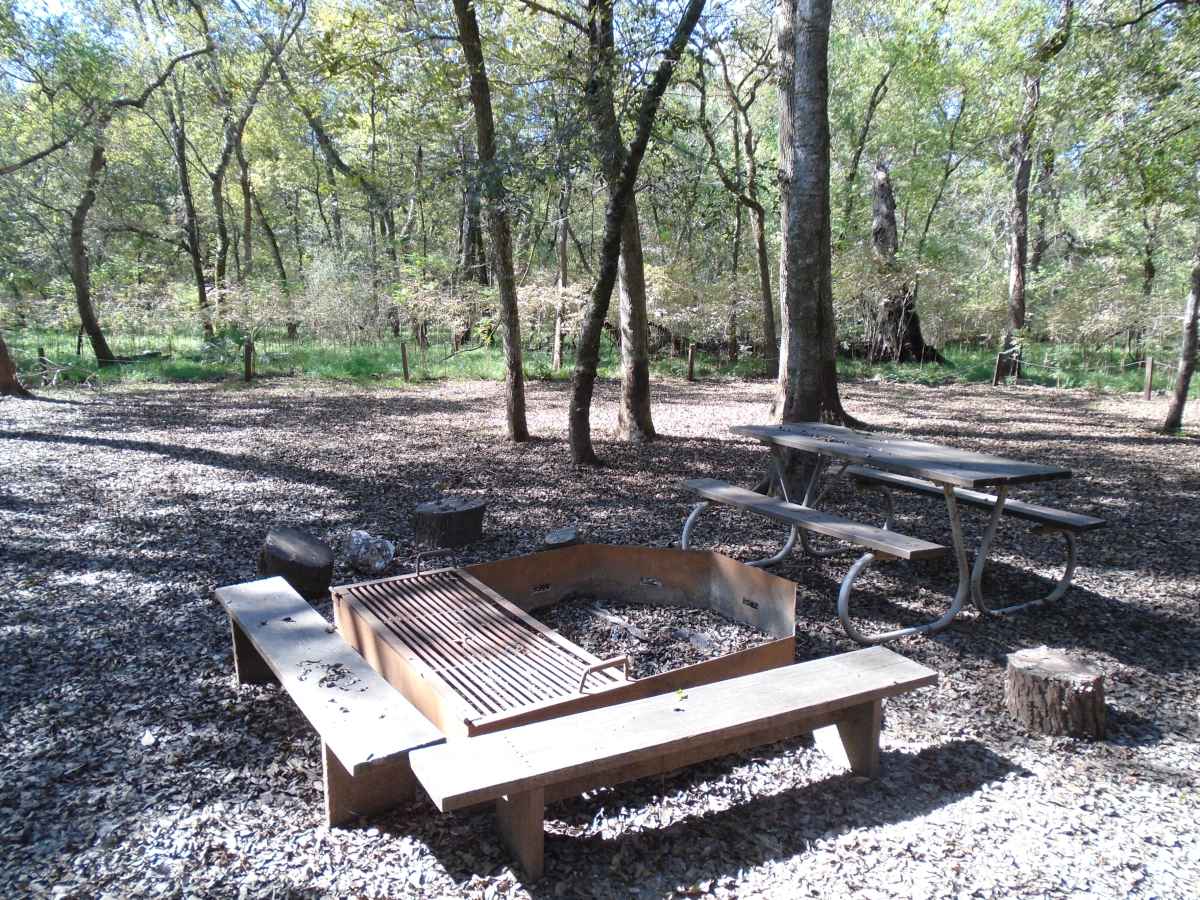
(1052, 692)
(807, 386)
(497, 198)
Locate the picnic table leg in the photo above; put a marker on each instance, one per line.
(985, 544)
(520, 820)
(1060, 588)
(956, 605)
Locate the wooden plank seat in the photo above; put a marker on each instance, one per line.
(1046, 519)
(367, 728)
(523, 768)
(883, 542)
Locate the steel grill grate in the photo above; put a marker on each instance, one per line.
(490, 653)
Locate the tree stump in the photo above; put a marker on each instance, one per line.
(303, 561)
(1053, 692)
(561, 537)
(449, 522)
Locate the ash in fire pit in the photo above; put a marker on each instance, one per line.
(656, 639)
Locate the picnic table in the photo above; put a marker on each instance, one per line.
(891, 463)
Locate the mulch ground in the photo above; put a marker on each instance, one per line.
(134, 767)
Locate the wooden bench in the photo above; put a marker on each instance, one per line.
(883, 542)
(367, 728)
(1047, 520)
(523, 768)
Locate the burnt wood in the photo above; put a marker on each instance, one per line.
(449, 522)
(305, 562)
(944, 465)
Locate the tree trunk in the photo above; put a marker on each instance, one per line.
(770, 340)
(1018, 216)
(335, 213)
(247, 212)
(10, 385)
(893, 326)
(634, 422)
(472, 261)
(273, 243)
(191, 228)
(80, 269)
(807, 385)
(620, 195)
(848, 193)
(493, 187)
(560, 248)
(1187, 347)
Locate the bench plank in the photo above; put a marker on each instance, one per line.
(600, 742)
(1031, 512)
(364, 720)
(889, 542)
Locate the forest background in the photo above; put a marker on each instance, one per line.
(306, 176)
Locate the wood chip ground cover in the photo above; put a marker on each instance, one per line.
(134, 768)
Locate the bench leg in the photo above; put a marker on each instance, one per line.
(1060, 588)
(854, 740)
(248, 665)
(348, 797)
(520, 821)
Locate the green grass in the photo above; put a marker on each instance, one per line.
(188, 359)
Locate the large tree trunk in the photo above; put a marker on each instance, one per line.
(1187, 347)
(191, 228)
(893, 326)
(493, 186)
(620, 195)
(81, 276)
(807, 385)
(1022, 162)
(10, 385)
(634, 421)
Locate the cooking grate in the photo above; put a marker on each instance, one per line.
(491, 653)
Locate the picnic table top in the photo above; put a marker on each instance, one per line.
(935, 462)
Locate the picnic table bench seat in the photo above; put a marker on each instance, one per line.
(1046, 516)
(367, 727)
(883, 541)
(525, 767)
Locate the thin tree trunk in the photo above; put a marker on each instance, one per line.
(807, 386)
(562, 255)
(247, 212)
(335, 213)
(1018, 217)
(588, 357)
(634, 421)
(848, 194)
(10, 385)
(80, 268)
(1187, 346)
(273, 243)
(191, 226)
(493, 187)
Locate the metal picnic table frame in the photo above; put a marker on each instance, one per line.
(947, 467)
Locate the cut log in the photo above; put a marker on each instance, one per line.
(303, 561)
(449, 522)
(1052, 692)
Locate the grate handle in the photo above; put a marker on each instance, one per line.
(622, 661)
